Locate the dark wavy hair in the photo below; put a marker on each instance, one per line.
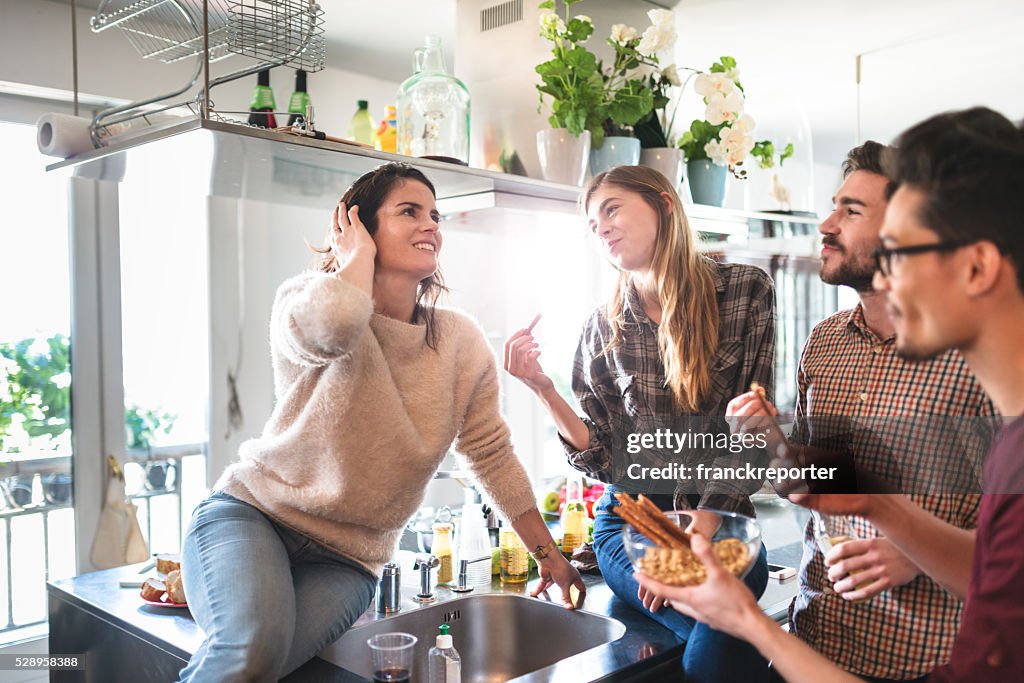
(970, 166)
(368, 192)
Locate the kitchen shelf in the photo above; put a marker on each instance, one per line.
(461, 191)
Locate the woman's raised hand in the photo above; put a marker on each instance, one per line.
(521, 359)
(349, 236)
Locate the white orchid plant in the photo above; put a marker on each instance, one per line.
(725, 134)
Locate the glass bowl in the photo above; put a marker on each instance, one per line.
(730, 532)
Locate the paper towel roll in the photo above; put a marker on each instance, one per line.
(60, 135)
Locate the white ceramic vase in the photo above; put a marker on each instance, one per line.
(668, 160)
(563, 156)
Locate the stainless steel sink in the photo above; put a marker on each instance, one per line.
(499, 636)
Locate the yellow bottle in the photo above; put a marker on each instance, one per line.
(515, 563)
(387, 133)
(574, 519)
(441, 548)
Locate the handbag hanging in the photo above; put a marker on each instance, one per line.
(119, 538)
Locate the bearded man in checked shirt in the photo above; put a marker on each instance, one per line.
(890, 622)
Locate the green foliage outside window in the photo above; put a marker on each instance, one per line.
(35, 398)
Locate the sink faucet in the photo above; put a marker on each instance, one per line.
(424, 563)
(460, 585)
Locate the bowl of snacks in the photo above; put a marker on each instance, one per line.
(658, 543)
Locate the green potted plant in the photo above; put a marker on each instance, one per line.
(655, 131)
(590, 99)
(632, 88)
(571, 80)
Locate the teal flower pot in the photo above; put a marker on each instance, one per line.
(614, 151)
(707, 182)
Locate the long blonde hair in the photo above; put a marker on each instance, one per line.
(688, 332)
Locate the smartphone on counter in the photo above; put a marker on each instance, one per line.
(780, 572)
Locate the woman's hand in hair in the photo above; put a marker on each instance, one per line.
(349, 237)
(522, 354)
(353, 248)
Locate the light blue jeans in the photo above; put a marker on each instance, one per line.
(268, 598)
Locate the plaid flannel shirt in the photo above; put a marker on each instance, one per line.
(628, 383)
(845, 372)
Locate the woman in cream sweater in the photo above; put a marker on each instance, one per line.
(374, 383)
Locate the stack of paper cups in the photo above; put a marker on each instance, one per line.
(474, 543)
(60, 135)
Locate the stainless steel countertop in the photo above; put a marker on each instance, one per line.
(645, 644)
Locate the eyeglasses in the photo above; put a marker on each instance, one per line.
(884, 256)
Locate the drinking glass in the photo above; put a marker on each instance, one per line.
(392, 657)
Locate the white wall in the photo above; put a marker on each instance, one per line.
(35, 50)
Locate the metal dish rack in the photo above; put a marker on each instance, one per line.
(271, 32)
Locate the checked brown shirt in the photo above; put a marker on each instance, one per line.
(847, 371)
(628, 382)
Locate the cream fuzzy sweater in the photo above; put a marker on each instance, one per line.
(365, 413)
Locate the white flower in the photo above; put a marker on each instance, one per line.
(715, 152)
(622, 34)
(670, 74)
(745, 123)
(660, 35)
(551, 25)
(662, 18)
(733, 75)
(707, 84)
(736, 141)
(722, 108)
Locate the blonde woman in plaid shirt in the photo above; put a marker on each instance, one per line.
(680, 336)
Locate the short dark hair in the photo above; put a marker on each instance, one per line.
(970, 166)
(867, 157)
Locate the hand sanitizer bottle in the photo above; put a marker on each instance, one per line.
(443, 662)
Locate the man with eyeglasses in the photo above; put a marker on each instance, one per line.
(952, 270)
(850, 373)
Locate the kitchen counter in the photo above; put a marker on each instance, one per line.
(123, 637)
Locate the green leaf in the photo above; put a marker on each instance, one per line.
(578, 30)
(631, 103)
(582, 59)
(786, 153)
(547, 4)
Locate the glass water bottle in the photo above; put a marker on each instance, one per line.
(433, 109)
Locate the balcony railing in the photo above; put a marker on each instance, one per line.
(36, 496)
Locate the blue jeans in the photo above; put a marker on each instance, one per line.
(710, 656)
(268, 598)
